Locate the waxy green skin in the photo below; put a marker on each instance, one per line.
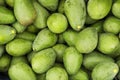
(49, 4)
(75, 11)
(72, 60)
(22, 71)
(6, 16)
(43, 60)
(87, 40)
(42, 15)
(105, 71)
(56, 73)
(19, 47)
(44, 39)
(98, 9)
(8, 34)
(24, 12)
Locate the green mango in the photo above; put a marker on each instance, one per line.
(54, 23)
(42, 15)
(18, 59)
(26, 35)
(8, 34)
(43, 60)
(87, 40)
(56, 73)
(44, 39)
(80, 75)
(60, 39)
(116, 8)
(2, 2)
(61, 6)
(21, 71)
(6, 16)
(98, 9)
(19, 27)
(24, 12)
(75, 11)
(70, 37)
(59, 49)
(19, 47)
(94, 58)
(49, 4)
(105, 71)
(107, 43)
(112, 25)
(4, 62)
(72, 60)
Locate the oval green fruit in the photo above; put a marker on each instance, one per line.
(94, 58)
(87, 40)
(21, 71)
(56, 73)
(112, 25)
(98, 9)
(8, 33)
(19, 47)
(105, 71)
(108, 43)
(6, 16)
(43, 60)
(24, 12)
(72, 60)
(75, 11)
(44, 39)
(57, 23)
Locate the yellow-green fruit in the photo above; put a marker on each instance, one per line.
(57, 23)
(108, 43)
(7, 33)
(24, 12)
(19, 47)
(21, 71)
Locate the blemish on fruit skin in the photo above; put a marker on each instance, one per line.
(115, 70)
(78, 27)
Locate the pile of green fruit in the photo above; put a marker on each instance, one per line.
(60, 39)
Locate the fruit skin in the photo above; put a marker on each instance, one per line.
(80, 75)
(70, 37)
(4, 62)
(10, 2)
(75, 11)
(44, 39)
(72, 60)
(49, 4)
(105, 71)
(87, 40)
(8, 34)
(54, 23)
(108, 43)
(26, 35)
(112, 25)
(41, 76)
(61, 6)
(18, 47)
(56, 73)
(98, 9)
(21, 71)
(43, 60)
(24, 12)
(59, 49)
(19, 27)
(6, 16)
(42, 15)
(94, 58)
(116, 8)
